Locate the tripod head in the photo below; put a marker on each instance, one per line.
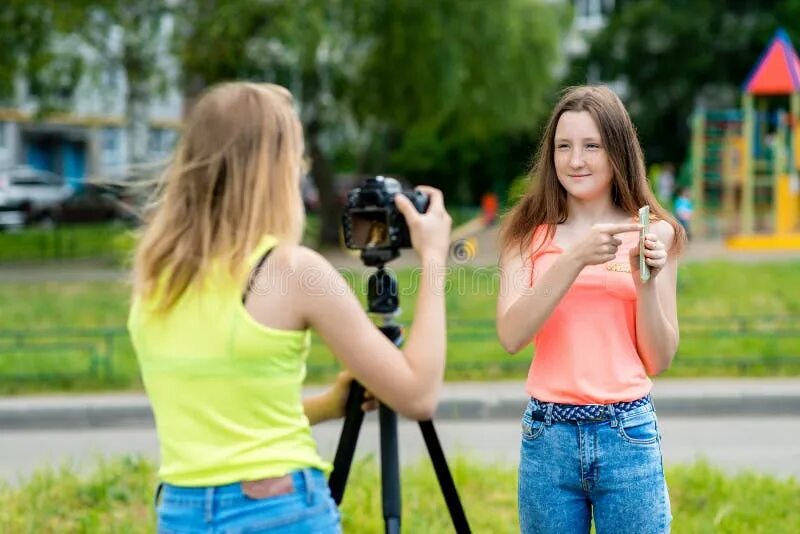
(382, 292)
(378, 257)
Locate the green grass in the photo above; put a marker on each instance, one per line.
(706, 500)
(61, 308)
(712, 290)
(108, 241)
(117, 498)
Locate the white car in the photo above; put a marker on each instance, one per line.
(29, 195)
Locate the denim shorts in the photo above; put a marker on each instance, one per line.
(608, 469)
(225, 509)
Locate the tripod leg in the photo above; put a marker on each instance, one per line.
(390, 470)
(446, 482)
(354, 416)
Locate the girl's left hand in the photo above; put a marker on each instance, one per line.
(336, 396)
(655, 256)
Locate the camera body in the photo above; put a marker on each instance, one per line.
(371, 220)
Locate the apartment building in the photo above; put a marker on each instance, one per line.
(88, 138)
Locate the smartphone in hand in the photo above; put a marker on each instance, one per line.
(644, 220)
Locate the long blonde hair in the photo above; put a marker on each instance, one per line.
(234, 177)
(545, 202)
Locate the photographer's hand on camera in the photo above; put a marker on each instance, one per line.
(430, 231)
(408, 380)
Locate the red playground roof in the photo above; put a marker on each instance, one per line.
(777, 71)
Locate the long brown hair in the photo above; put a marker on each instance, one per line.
(545, 201)
(234, 178)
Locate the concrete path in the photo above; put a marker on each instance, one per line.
(768, 445)
(459, 401)
(736, 424)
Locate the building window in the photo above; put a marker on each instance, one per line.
(110, 139)
(589, 14)
(110, 78)
(111, 143)
(161, 140)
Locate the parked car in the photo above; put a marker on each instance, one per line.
(121, 197)
(29, 195)
(90, 204)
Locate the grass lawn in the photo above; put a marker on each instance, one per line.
(109, 241)
(712, 296)
(117, 498)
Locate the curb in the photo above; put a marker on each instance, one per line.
(83, 416)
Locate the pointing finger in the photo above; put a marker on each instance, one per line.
(615, 229)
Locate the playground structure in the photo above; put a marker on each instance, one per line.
(745, 161)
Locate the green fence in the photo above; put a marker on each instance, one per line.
(41, 355)
(763, 344)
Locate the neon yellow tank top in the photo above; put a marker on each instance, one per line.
(224, 389)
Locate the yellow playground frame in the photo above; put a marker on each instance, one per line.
(747, 162)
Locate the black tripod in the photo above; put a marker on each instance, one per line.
(383, 300)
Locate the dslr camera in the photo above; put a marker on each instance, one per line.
(373, 224)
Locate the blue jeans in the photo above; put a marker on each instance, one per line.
(217, 509)
(610, 469)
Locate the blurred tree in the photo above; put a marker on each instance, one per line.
(673, 55)
(28, 52)
(131, 36)
(307, 46)
(422, 89)
(457, 87)
(52, 44)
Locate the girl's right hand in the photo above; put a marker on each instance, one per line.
(430, 231)
(600, 244)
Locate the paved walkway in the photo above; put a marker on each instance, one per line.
(459, 401)
(767, 445)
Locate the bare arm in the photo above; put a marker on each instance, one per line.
(657, 334)
(331, 403)
(409, 380)
(319, 408)
(522, 310)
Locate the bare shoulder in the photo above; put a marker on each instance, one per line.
(315, 275)
(295, 267)
(513, 260)
(665, 233)
(297, 257)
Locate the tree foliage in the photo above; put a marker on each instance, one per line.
(446, 92)
(127, 36)
(678, 54)
(454, 83)
(28, 51)
(52, 45)
(427, 90)
(305, 45)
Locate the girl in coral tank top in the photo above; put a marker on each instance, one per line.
(571, 286)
